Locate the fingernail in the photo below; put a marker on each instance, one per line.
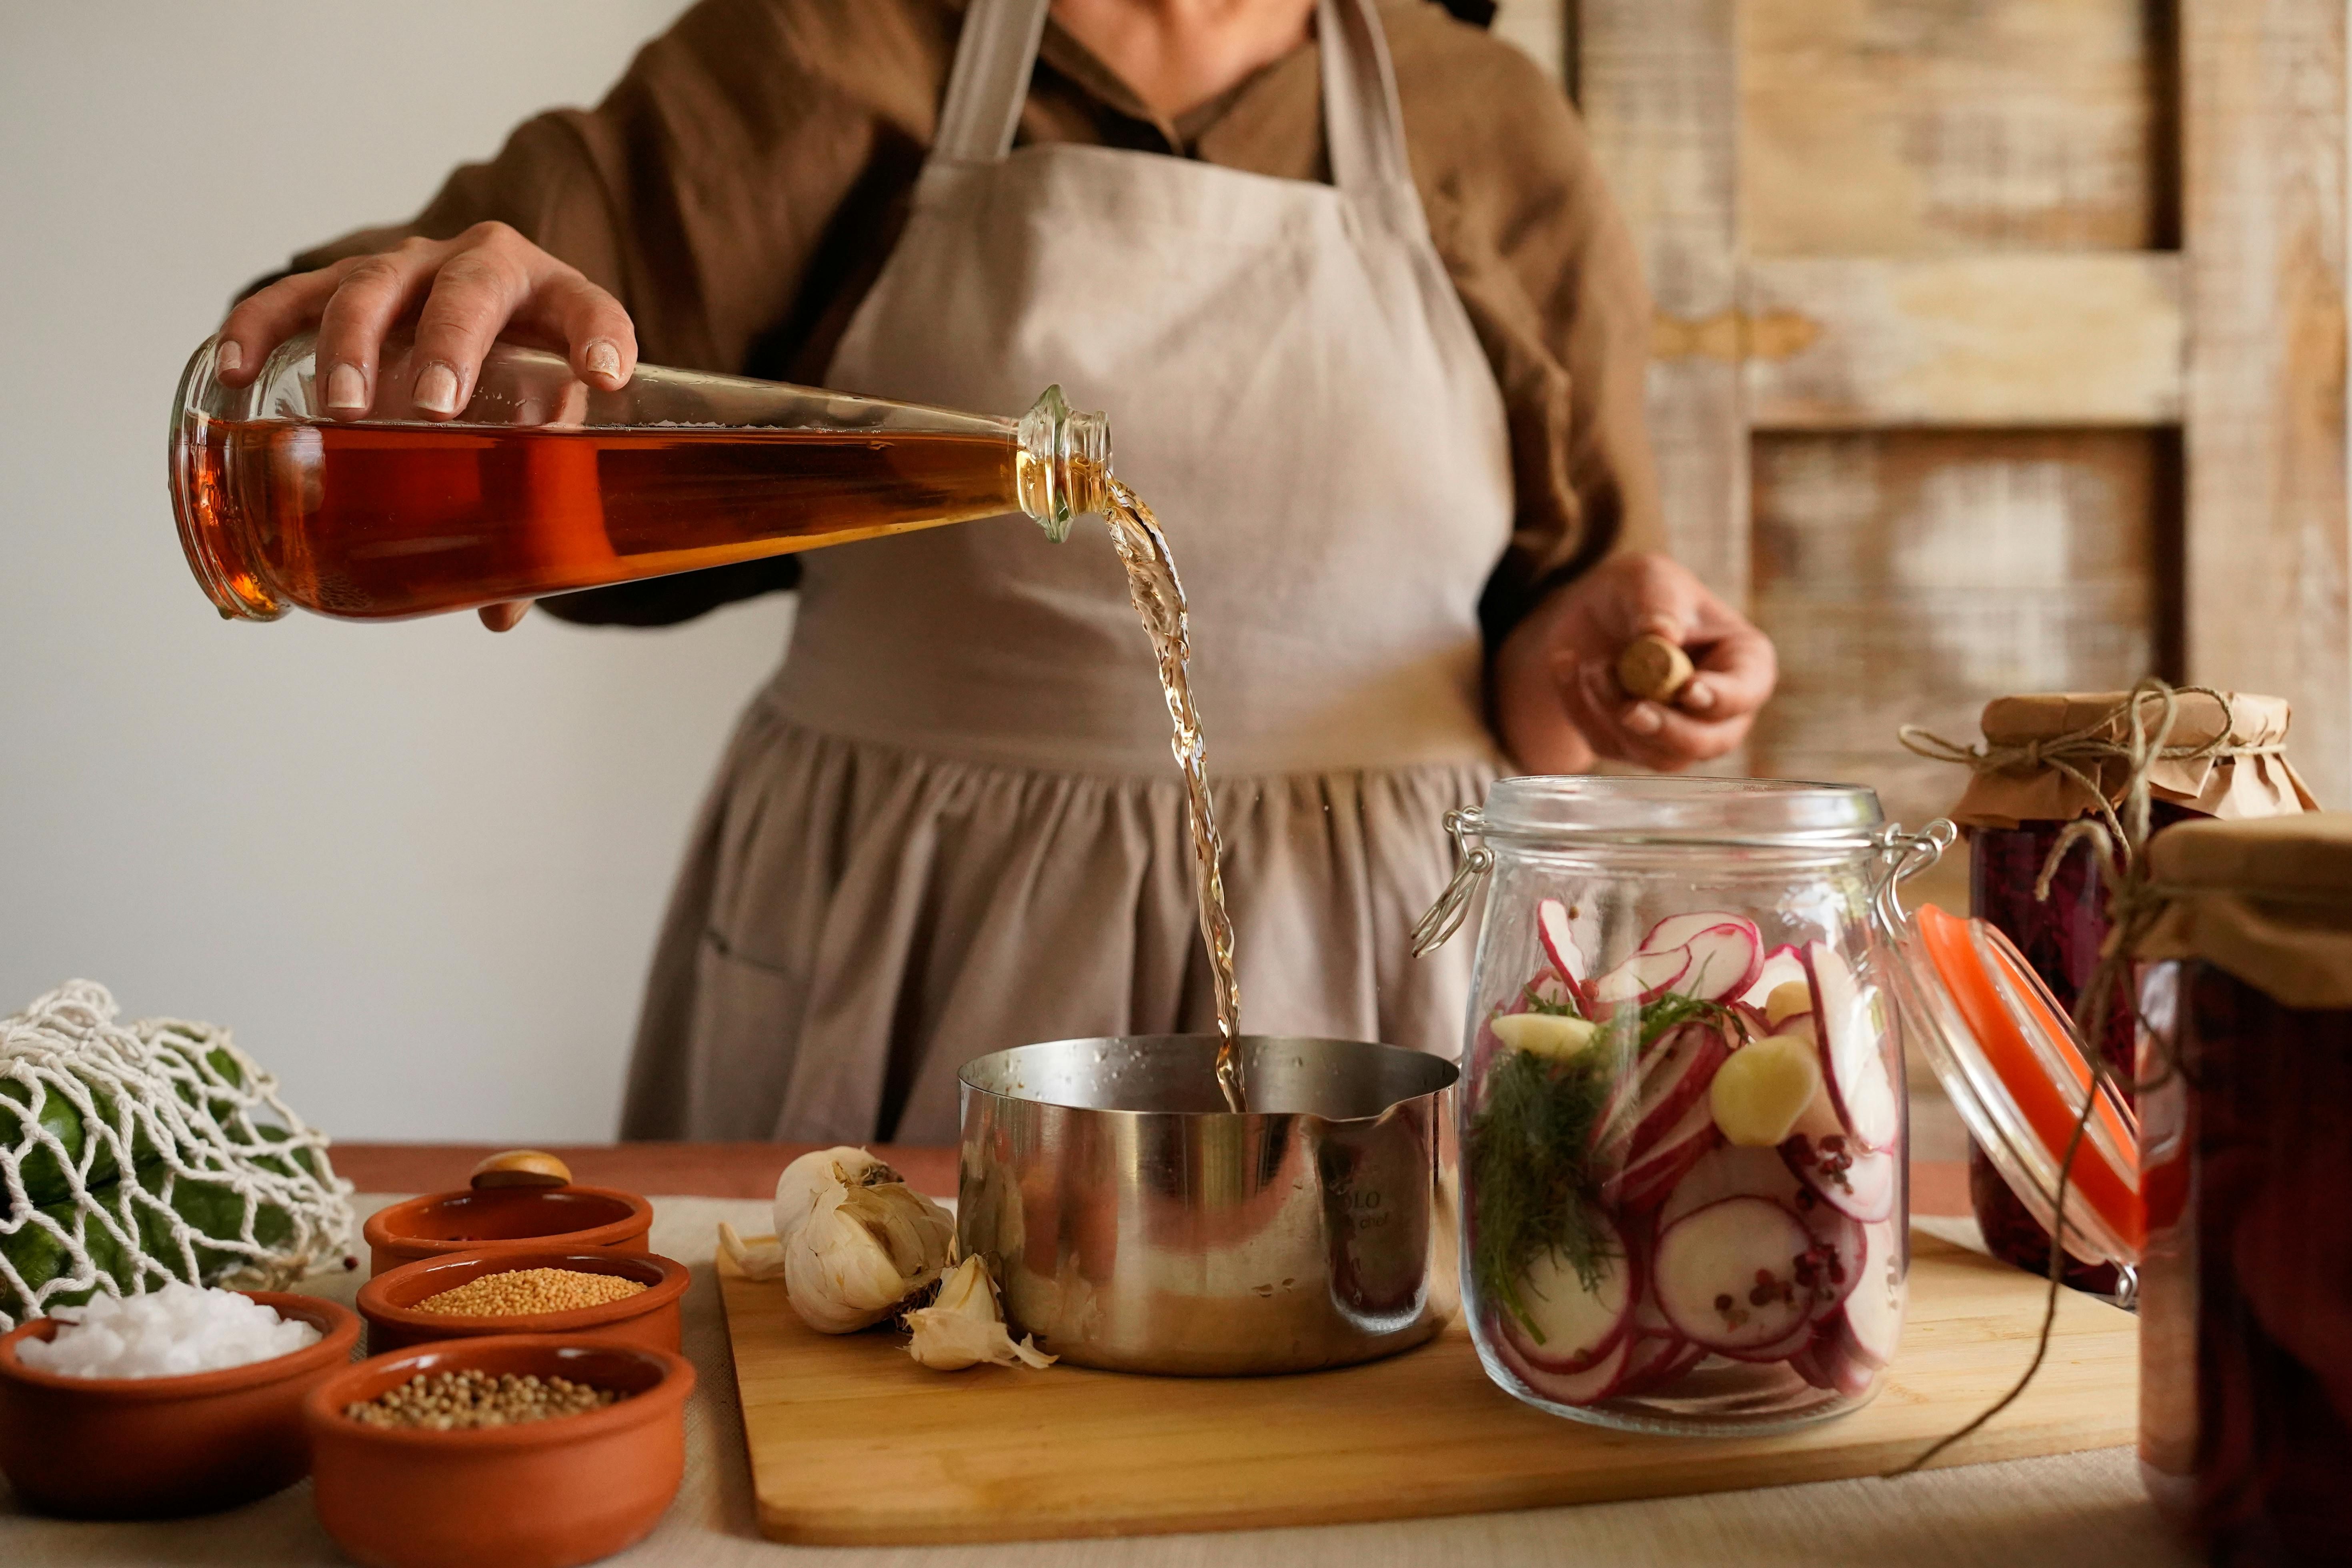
(437, 390)
(346, 387)
(232, 355)
(1698, 697)
(1645, 718)
(603, 359)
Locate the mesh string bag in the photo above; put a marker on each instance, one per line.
(132, 1156)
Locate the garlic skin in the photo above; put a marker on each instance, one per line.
(854, 1243)
(965, 1327)
(812, 1176)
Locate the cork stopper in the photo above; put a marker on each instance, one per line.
(1654, 669)
(521, 1168)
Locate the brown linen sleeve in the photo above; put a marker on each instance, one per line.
(700, 192)
(1553, 286)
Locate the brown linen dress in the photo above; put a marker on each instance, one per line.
(950, 824)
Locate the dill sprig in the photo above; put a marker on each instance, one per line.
(1536, 1187)
(1531, 1173)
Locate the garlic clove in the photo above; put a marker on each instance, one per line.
(765, 1261)
(964, 1327)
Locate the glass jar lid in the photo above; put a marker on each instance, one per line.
(2004, 1050)
(1580, 808)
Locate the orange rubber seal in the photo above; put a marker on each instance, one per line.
(2110, 1186)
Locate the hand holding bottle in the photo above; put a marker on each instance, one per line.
(465, 294)
(1558, 700)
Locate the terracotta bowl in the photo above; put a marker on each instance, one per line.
(159, 1448)
(481, 1219)
(388, 1301)
(545, 1494)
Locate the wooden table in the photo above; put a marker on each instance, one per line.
(748, 1170)
(2056, 1512)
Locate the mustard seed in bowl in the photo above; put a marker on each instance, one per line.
(462, 1401)
(525, 1291)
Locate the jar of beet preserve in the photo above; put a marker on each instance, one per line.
(1682, 1114)
(2246, 1284)
(2046, 761)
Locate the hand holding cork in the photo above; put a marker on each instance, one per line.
(1655, 669)
(1634, 660)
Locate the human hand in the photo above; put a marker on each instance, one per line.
(1556, 701)
(465, 293)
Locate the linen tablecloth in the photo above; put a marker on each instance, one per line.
(2062, 1512)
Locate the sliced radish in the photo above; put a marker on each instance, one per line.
(1725, 1171)
(1674, 1075)
(1782, 966)
(1654, 1361)
(1858, 1182)
(1833, 1267)
(1594, 1384)
(1559, 941)
(1794, 1343)
(1850, 1040)
(1641, 1239)
(1726, 1275)
(1872, 1315)
(1567, 1327)
(1725, 958)
(1654, 1173)
(1676, 931)
(1829, 1363)
(1641, 979)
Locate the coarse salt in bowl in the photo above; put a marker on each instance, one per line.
(165, 1444)
(171, 1332)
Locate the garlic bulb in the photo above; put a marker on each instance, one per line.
(965, 1327)
(852, 1243)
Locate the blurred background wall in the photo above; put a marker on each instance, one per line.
(415, 867)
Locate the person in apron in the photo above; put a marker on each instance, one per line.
(951, 823)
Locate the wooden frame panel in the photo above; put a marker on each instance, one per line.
(2269, 545)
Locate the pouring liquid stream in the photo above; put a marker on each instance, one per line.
(1158, 594)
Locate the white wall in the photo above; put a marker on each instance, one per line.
(417, 867)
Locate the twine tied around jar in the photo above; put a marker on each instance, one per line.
(2078, 754)
(2114, 840)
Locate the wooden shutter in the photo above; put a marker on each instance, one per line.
(2001, 346)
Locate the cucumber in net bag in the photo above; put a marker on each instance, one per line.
(132, 1156)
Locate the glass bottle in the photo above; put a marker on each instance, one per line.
(544, 484)
(2245, 1409)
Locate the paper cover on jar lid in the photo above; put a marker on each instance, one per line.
(2249, 776)
(2269, 901)
(2002, 1046)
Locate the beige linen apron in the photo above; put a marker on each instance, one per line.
(952, 823)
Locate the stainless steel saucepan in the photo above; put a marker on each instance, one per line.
(1135, 1223)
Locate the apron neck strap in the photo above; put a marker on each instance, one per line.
(1362, 124)
(990, 82)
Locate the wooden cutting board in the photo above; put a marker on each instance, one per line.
(852, 1443)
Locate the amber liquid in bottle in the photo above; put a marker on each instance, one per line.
(380, 522)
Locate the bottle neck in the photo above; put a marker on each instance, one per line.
(1064, 463)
